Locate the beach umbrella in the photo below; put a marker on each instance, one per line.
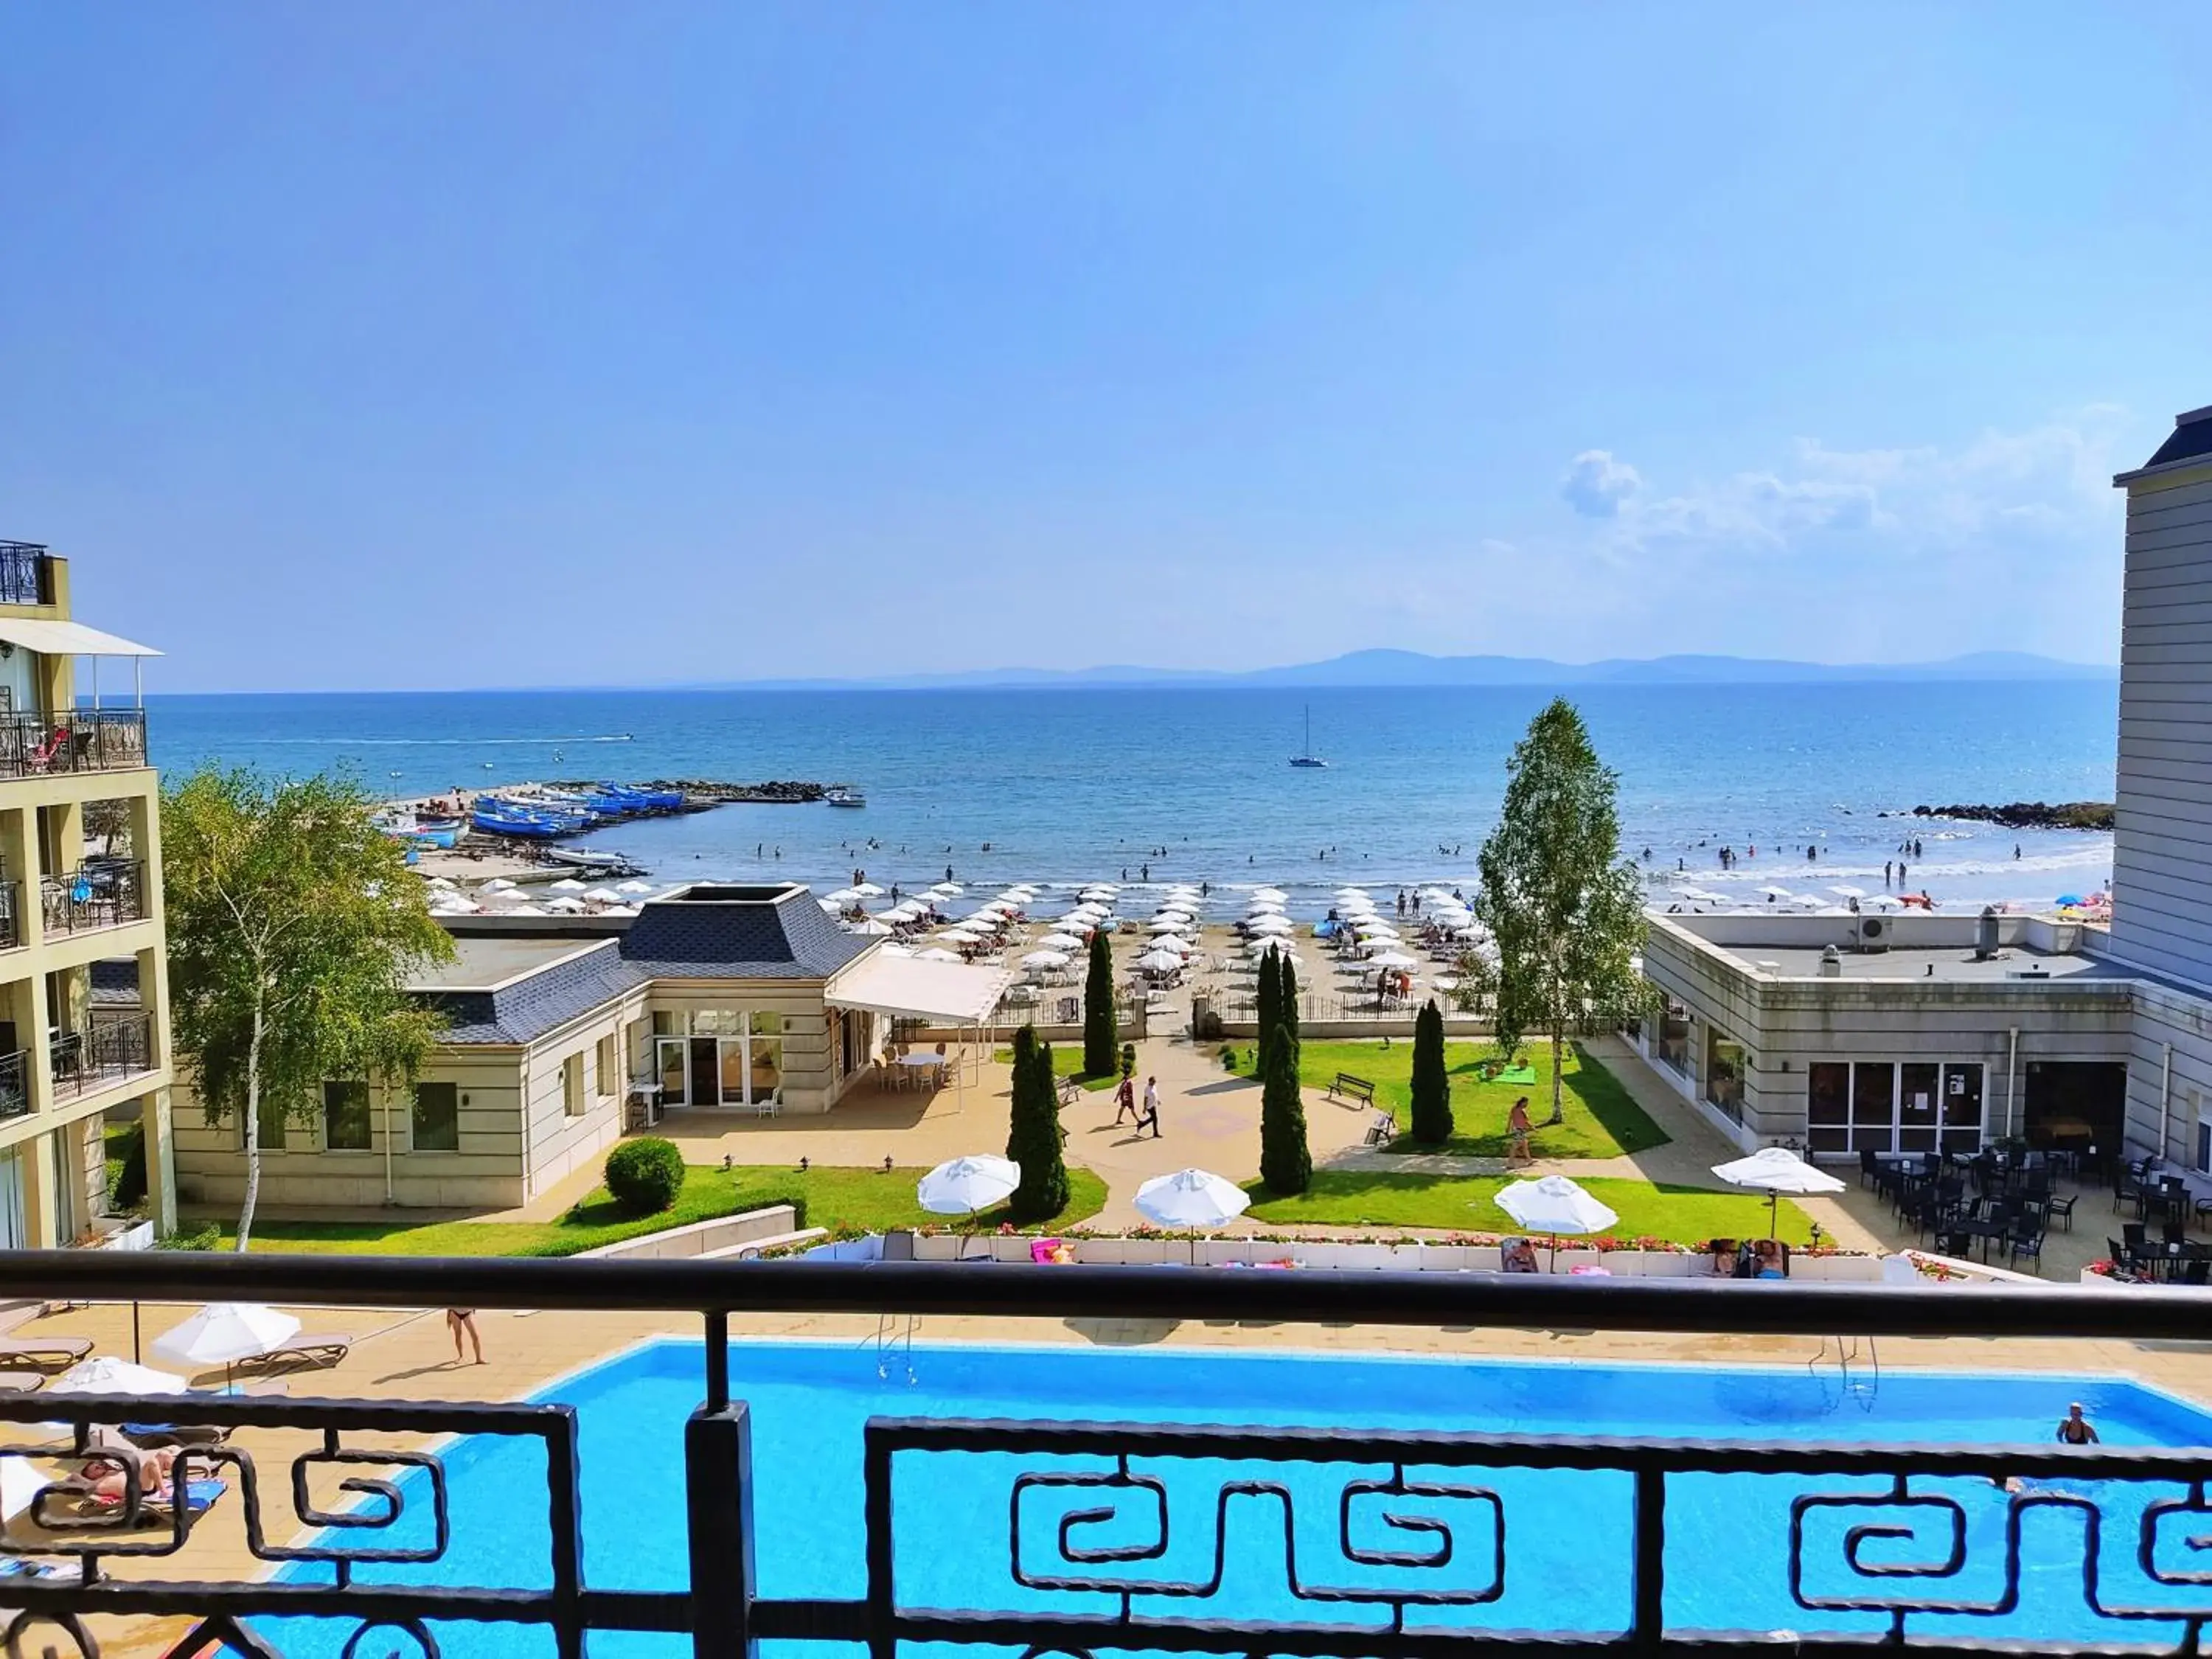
(603, 896)
(1190, 1198)
(523, 910)
(566, 904)
(958, 936)
(1159, 962)
(223, 1333)
(1392, 959)
(1274, 895)
(933, 954)
(1057, 941)
(1045, 959)
(107, 1374)
(634, 885)
(867, 890)
(20, 1486)
(1268, 925)
(1882, 901)
(1260, 906)
(1775, 1171)
(869, 929)
(962, 1185)
(497, 885)
(1553, 1206)
(1167, 924)
(1849, 892)
(566, 884)
(948, 889)
(829, 907)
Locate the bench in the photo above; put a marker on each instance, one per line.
(1345, 1087)
(1382, 1131)
(1070, 1092)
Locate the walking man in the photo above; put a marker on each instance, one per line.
(1151, 1118)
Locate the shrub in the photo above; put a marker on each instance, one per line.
(1128, 1060)
(1431, 1121)
(644, 1175)
(130, 1179)
(207, 1236)
(1228, 1059)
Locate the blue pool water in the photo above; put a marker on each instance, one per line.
(1566, 1563)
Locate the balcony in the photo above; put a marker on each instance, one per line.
(14, 1085)
(1098, 1537)
(26, 574)
(81, 740)
(106, 893)
(112, 1047)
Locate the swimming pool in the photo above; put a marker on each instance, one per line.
(1567, 1568)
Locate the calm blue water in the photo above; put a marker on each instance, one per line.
(1074, 786)
(1567, 1531)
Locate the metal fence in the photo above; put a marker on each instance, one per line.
(26, 574)
(113, 1046)
(1873, 1532)
(15, 1084)
(105, 893)
(80, 740)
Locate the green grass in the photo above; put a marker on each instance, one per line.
(1066, 1062)
(866, 1198)
(1686, 1215)
(1602, 1120)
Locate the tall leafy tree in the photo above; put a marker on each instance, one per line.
(1567, 910)
(294, 928)
(1034, 1140)
(1432, 1112)
(1285, 1159)
(1101, 1032)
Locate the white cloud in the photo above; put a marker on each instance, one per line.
(1596, 484)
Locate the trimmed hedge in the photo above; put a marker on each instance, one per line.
(644, 1175)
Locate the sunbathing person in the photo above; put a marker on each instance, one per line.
(1519, 1256)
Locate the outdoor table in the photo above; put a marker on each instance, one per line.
(914, 1065)
(1989, 1231)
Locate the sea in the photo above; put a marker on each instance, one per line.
(1156, 786)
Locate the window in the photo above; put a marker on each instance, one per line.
(606, 1070)
(437, 1122)
(668, 1022)
(572, 1085)
(1828, 1107)
(1724, 1068)
(272, 1128)
(345, 1116)
(1962, 1108)
(1878, 1106)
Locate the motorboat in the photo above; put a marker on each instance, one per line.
(842, 796)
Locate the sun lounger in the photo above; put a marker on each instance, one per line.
(324, 1348)
(51, 1353)
(21, 1382)
(200, 1496)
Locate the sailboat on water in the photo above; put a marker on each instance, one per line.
(1307, 758)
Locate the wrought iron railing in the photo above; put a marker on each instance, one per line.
(26, 574)
(112, 1046)
(15, 1084)
(76, 741)
(1872, 1550)
(105, 893)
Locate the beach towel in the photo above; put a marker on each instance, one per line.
(1524, 1072)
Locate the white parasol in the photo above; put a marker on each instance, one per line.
(1553, 1206)
(1190, 1198)
(962, 1185)
(1775, 1171)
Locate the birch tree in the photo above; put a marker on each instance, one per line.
(295, 925)
(1566, 909)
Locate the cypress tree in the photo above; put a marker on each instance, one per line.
(1102, 1034)
(1286, 1003)
(1271, 1007)
(1286, 1160)
(1034, 1138)
(1432, 1113)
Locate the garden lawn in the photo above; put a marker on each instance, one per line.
(864, 1198)
(1066, 1062)
(1685, 1215)
(1602, 1120)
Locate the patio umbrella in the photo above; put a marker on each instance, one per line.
(869, 929)
(636, 886)
(1159, 962)
(1167, 925)
(1267, 924)
(1553, 1206)
(1045, 959)
(603, 896)
(523, 910)
(829, 907)
(497, 885)
(1392, 959)
(962, 1185)
(223, 1333)
(948, 889)
(958, 936)
(1058, 941)
(1775, 1171)
(842, 895)
(567, 903)
(1190, 1198)
(107, 1374)
(566, 884)
(867, 890)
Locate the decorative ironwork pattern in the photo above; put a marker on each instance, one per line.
(26, 574)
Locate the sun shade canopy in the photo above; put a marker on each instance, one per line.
(68, 638)
(910, 987)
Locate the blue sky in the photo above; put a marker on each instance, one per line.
(362, 346)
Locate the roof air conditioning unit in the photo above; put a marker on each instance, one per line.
(1873, 933)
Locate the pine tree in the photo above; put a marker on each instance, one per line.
(1102, 1034)
(1432, 1113)
(1286, 1160)
(1271, 1007)
(1034, 1138)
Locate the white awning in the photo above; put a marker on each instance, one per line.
(911, 987)
(68, 638)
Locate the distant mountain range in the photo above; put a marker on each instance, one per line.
(1403, 668)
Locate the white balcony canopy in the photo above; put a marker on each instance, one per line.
(910, 989)
(68, 638)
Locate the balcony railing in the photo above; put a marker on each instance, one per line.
(1873, 1528)
(104, 894)
(113, 1046)
(78, 740)
(26, 574)
(14, 1085)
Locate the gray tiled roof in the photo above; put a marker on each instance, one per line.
(706, 932)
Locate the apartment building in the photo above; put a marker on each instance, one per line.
(84, 1036)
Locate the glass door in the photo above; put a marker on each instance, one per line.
(669, 1053)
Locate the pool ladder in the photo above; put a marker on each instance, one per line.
(894, 1342)
(1851, 1353)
